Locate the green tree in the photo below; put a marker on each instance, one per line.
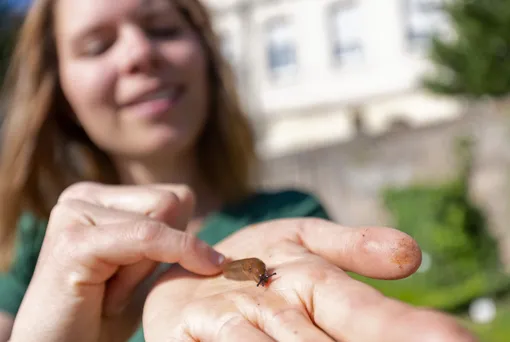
(474, 61)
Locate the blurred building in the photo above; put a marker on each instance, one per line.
(316, 72)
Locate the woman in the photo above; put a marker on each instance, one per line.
(124, 100)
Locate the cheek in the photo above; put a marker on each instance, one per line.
(190, 59)
(87, 87)
(196, 67)
(198, 70)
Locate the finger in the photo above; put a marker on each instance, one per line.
(293, 325)
(284, 319)
(353, 311)
(156, 201)
(87, 213)
(119, 238)
(238, 329)
(130, 242)
(382, 253)
(202, 258)
(376, 252)
(209, 319)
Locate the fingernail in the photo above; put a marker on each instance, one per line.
(216, 257)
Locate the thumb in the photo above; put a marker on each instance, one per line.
(192, 253)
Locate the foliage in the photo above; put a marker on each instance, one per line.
(452, 232)
(476, 62)
(496, 331)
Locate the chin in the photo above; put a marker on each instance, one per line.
(158, 140)
(158, 146)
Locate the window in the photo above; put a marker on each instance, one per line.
(281, 47)
(346, 32)
(425, 18)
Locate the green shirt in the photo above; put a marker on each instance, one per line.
(258, 208)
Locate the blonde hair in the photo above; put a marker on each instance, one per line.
(43, 151)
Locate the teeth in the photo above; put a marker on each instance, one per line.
(163, 94)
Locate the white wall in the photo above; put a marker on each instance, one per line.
(309, 107)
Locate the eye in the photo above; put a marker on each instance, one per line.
(95, 47)
(165, 32)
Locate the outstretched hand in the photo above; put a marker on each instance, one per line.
(311, 298)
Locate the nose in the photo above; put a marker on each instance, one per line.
(139, 53)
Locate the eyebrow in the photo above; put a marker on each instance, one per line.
(149, 9)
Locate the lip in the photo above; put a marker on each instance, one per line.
(154, 103)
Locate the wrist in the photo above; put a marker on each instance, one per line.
(56, 309)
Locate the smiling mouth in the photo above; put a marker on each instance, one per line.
(169, 93)
(157, 103)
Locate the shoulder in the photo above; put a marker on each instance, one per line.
(14, 283)
(296, 203)
(286, 197)
(31, 230)
(260, 207)
(29, 223)
(30, 236)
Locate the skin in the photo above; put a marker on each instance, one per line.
(109, 53)
(310, 299)
(118, 51)
(89, 266)
(103, 243)
(6, 323)
(92, 238)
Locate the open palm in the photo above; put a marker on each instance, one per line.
(310, 299)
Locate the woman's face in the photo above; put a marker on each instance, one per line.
(134, 72)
